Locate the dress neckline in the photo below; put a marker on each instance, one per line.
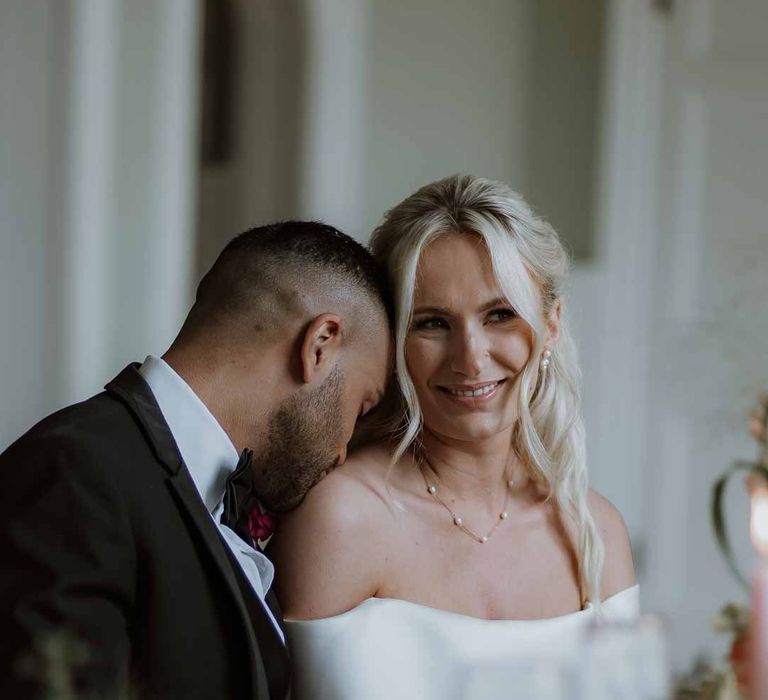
(448, 614)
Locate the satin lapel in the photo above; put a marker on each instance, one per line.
(271, 599)
(134, 392)
(189, 500)
(130, 388)
(274, 606)
(273, 652)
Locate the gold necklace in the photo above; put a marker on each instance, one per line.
(458, 521)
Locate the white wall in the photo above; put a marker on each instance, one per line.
(367, 100)
(97, 132)
(448, 92)
(710, 327)
(565, 121)
(27, 152)
(260, 179)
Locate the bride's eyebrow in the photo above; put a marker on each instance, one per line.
(438, 310)
(495, 303)
(442, 311)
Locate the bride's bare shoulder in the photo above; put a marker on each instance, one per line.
(618, 568)
(329, 552)
(368, 467)
(351, 493)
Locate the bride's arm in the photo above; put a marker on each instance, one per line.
(330, 552)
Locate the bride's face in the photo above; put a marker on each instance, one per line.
(467, 347)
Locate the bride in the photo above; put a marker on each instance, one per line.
(466, 539)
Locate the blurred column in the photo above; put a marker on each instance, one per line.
(173, 169)
(28, 30)
(122, 274)
(337, 50)
(83, 291)
(622, 306)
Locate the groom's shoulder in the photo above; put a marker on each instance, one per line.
(79, 435)
(81, 423)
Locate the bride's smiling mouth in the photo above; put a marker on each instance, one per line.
(472, 394)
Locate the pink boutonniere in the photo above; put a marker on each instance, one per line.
(261, 525)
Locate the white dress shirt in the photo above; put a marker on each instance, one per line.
(210, 457)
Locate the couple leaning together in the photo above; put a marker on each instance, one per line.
(458, 536)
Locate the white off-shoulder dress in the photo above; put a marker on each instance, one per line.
(396, 650)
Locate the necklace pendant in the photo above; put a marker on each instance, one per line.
(458, 521)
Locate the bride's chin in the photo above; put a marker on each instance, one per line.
(469, 431)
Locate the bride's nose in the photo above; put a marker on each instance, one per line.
(469, 352)
(342, 456)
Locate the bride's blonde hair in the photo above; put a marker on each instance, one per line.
(549, 435)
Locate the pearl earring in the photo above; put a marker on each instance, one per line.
(545, 359)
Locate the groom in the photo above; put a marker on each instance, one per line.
(126, 567)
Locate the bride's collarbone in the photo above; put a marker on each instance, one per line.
(504, 578)
(492, 603)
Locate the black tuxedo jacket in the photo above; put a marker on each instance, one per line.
(110, 562)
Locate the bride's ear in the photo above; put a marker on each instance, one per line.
(320, 347)
(553, 323)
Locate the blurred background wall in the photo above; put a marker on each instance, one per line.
(137, 137)
(99, 165)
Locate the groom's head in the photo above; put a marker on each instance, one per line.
(288, 343)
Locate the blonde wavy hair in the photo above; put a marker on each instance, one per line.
(524, 250)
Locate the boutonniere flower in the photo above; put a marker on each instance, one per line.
(261, 525)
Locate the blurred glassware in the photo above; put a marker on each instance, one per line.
(627, 661)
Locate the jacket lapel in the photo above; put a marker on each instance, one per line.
(193, 507)
(273, 651)
(274, 606)
(133, 391)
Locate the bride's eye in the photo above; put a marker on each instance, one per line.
(501, 314)
(429, 324)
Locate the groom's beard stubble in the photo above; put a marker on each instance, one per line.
(303, 439)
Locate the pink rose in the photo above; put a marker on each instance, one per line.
(260, 525)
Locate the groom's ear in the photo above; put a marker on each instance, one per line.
(320, 347)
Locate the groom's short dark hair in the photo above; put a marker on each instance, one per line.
(286, 259)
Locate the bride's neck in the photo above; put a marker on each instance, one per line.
(472, 470)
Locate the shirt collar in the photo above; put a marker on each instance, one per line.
(205, 448)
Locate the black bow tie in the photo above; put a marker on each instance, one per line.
(239, 497)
